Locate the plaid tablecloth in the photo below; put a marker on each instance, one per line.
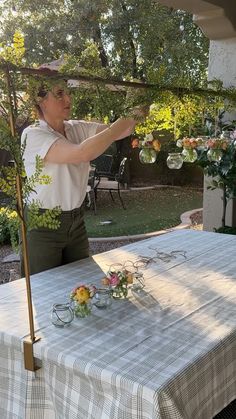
(166, 352)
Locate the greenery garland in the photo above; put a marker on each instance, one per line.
(153, 90)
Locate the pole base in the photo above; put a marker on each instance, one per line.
(30, 361)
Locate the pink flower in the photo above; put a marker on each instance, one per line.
(193, 143)
(114, 279)
(186, 142)
(211, 143)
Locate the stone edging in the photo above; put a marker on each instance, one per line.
(185, 223)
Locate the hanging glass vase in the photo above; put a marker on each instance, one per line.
(174, 161)
(214, 154)
(189, 155)
(147, 155)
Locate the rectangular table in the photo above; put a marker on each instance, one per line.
(168, 352)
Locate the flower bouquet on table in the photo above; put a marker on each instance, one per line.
(81, 297)
(149, 148)
(118, 281)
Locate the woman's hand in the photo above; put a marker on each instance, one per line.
(139, 112)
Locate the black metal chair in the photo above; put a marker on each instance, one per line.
(112, 182)
(91, 189)
(104, 165)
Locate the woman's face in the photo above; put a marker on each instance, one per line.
(57, 104)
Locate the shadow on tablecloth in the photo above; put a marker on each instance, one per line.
(228, 412)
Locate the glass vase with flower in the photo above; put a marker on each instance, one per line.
(189, 152)
(118, 280)
(81, 297)
(149, 147)
(215, 148)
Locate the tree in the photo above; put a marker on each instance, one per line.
(13, 181)
(163, 45)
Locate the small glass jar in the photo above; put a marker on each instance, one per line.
(62, 315)
(174, 161)
(119, 292)
(138, 282)
(214, 154)
(189, 155)
(102, 298)
(82, 309)
(147, 155)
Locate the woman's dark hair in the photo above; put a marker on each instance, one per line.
(41, 93)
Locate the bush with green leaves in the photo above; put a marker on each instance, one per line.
(9, 227)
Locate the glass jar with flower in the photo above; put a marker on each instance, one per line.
(189, 152)
(215, 148)
(81, 297)
(118, 281)
(149, 147)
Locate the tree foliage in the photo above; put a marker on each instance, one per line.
(11, 84)
(131, 41)
(115, 38)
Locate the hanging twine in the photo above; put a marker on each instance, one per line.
(144, 261)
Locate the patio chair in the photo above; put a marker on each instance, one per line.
(91, 189)
(113, 182)
(103, 165)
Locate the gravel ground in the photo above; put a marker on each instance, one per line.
(14, 267)
(95, 247)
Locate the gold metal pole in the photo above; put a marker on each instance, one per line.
(30, 362)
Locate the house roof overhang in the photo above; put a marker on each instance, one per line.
(216, 18)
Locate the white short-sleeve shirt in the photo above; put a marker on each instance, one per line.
(68, 181)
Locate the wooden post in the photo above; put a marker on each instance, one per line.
(29, 359)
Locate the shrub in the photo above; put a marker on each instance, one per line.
(9, 228)
(226, 230)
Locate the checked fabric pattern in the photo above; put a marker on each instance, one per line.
(167, 352)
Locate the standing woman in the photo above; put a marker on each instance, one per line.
(66, 148)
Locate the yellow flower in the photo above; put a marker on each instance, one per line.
(12, 214)
(156, 145)
(130, 278)
(82, 295)
(105, 281)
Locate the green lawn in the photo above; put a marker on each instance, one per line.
(147, 210)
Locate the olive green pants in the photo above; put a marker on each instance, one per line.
(50, 248)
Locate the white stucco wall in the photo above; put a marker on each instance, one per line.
(222, 61)
(222, 65)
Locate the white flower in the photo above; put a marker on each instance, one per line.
(148, 137)
(179, 143)
(233, 135)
